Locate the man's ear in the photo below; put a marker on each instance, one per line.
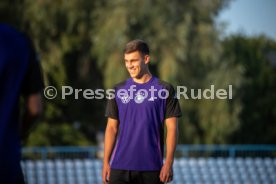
(147, 59)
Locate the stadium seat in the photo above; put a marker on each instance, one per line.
(186, 170)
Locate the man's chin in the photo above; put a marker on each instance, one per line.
(133, 75)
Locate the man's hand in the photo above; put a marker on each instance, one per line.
(33, 111)
(166, 173)
(106, 173)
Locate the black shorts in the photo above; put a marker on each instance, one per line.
(134, 177)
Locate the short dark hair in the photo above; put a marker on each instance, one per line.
(137, 45)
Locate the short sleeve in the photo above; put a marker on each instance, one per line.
(111, 109)
(33, 81)
(172, 104)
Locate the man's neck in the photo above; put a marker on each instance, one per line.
(143, 79)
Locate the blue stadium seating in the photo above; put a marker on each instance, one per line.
(186, 170)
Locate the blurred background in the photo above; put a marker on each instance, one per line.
(194, 43)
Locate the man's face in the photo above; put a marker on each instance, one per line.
(136, 64)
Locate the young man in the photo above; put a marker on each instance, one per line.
(133, 151)
(19, 75)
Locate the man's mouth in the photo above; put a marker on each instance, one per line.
(131, 70)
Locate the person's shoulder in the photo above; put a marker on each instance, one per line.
(9, 30)
(6, 28)
(164, 84)
(12, 35)
(121, 84)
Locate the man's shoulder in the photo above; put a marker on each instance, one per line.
(12, 33)
(121, 84)
(164, 84)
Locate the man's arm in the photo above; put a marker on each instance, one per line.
(33, 109)
(109, 142)
(166, 173)
(31, 88)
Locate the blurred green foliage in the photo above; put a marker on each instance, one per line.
(258, 93)
(80, 44)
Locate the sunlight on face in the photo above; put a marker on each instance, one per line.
(135, 64)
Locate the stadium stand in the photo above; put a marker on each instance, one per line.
(198, 164)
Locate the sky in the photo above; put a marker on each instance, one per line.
(251, 17)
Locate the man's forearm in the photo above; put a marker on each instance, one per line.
(33, 110)
(171, 139)
(27, 124)
(171, 142)
(109, 142)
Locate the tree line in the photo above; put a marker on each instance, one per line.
(80, 44)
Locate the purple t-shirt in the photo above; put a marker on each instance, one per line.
(141, 110)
